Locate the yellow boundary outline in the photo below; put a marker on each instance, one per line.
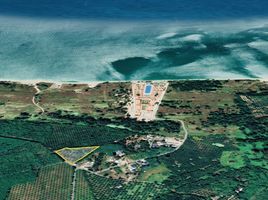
(70, 162)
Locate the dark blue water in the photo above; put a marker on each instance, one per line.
(136, 9)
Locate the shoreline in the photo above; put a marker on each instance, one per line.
(185, 22)
(35, 81)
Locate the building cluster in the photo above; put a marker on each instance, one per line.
(153, 141)
(146, 98)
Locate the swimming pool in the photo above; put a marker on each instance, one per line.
(148, 89)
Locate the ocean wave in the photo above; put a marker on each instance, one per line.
(166, 35)
(90, 50)
(260, 45)
(192, 38)
(219, 67)
(249, 61)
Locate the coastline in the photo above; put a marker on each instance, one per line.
(93, 83)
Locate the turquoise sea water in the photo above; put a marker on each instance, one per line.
(129, 40)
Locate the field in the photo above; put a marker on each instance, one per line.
(97, 101)
(224, 156)
(155, 173)
(15, 99)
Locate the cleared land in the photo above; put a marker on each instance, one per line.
(74, 155)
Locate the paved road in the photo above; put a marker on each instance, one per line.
(73, 184)
(184, 139)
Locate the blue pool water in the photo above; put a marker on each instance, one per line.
(148, 89)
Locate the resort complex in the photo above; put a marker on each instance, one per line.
(145, 100)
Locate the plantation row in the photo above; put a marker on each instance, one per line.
(25, 156)
(53, 183)
(57, 135)
(139, 127)
(110, 189)
(21, 161)
(73, 135)
(28, 130)
(83, 190)
(23, 192)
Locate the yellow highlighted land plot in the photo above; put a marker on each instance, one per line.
(74, 155)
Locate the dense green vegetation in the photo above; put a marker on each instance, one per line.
(26, 130)
(23, 142)
(197, 173)
(254, 129)
(8, 85)
(83, 131)
(20, 162)
(206, 85)
(131, 124)
(43, 85)
(57, 135)
(242, 157)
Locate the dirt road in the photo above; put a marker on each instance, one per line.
(34, 101)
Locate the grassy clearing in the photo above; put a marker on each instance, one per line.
(156, 174)
(232, 159)
(235, 133)
(247, 154)
(254, 154)
(118, 126)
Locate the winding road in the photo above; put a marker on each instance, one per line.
(33, 99)
(183, 140)
(149, 157)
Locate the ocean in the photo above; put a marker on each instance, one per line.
(133, 40)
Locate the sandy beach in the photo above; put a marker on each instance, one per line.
(95, 83)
